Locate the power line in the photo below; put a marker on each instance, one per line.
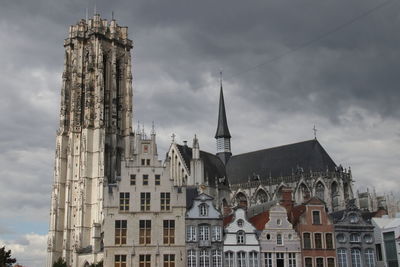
(318, 38)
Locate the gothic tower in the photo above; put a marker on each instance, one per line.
(93, 136)
(222, 135)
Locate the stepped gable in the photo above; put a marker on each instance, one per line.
(213, 166)
(279, 161)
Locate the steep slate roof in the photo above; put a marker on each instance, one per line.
(213, 166)
(279, 161)
(222, 126)
(191, 194)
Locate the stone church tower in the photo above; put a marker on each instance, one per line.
(93, 137)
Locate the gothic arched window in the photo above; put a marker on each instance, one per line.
(261, 197)
(320, 191)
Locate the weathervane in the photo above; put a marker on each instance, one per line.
(315, 132)
(173, 137)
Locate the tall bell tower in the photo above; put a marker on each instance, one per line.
(93, 137)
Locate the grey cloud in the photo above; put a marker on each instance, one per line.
(346, 83)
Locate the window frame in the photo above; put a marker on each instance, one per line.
(169, 260)
(320, 243)
(165, 201)
(124, 198)
(120, 260)
(157, 179)
(133, 179)
(240, 237)
(120, 232)
(145, 179)
(168, 232)
(314, 221)
(342, 257)
(144, 260)
(145, 198)
(145, 232)
(310, 240)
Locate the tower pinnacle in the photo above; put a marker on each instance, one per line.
(223, 135)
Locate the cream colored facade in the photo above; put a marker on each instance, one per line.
(145, 174)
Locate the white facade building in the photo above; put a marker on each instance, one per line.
(241, 245)
(279, 242)
(387, 241)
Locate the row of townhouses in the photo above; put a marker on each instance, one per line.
(114, 201)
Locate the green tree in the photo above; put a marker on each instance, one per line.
(60, 263)
(5, 258)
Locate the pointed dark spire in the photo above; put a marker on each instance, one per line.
(222, 127)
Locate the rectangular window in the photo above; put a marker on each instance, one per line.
(292, 259)
(147, 162)
(145, 260)
(370, 257)
(342, 257)
(331, 262)
(268, 259)
(316, 217)
(318, 240)
(308, 262)
(241, 259)
(355, 237)
(169, 232)
(145, 201)
(329, 240)
(191, 258)
(204, 234)
(216, 233)
(355, 257)
(124, 201)
(120, 261)
(253, 259)
(320, 262)
(204, 258)
(143, 162)
(217, 258)
(120, 232)
(229, 259)
(279, 240)
(169, 260)
(144, 232)
(157, 179)
(133, 179)
(145, 179)
(165, 201)
(191, 233)
(306, 240)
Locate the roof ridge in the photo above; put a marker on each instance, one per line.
(311, 140)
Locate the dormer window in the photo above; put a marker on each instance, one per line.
(240, 237)
(203, 209)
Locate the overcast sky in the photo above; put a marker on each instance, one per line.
(288, 65)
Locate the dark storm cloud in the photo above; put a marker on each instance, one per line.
(346, 83)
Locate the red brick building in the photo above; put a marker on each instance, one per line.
(316, 231)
